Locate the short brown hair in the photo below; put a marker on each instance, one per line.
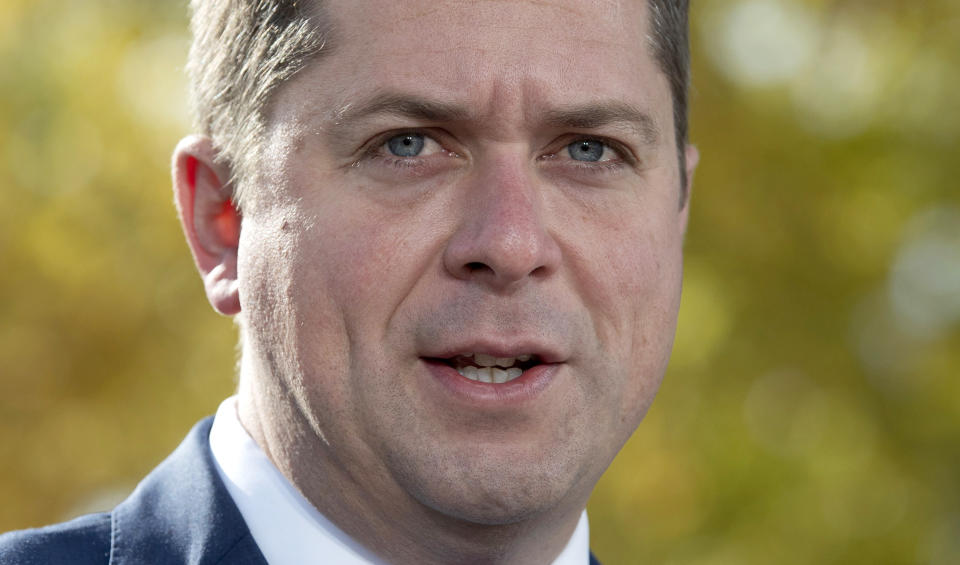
(670, 35)
(244, 49)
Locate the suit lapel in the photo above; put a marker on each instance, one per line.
(182, 513)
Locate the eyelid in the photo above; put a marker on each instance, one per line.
(375, 154)
(374, 145)
(559, 147)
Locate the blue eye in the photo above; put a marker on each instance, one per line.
(406, 145)
(586, 150)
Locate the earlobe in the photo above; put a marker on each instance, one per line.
(210, 221)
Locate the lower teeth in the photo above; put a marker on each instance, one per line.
(490, 374)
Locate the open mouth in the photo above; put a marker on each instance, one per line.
(485, 368)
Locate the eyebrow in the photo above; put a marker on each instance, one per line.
(403, 105)
(606, 113)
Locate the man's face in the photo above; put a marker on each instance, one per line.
(456, 183)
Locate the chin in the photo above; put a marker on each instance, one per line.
(493, 505)
(490, 487)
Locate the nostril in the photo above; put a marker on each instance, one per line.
(475, 266)
(541, 270)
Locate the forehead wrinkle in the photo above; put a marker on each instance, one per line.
(613, 7)
(607, 113)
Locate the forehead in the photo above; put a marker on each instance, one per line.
(501, 58)
(464, 21)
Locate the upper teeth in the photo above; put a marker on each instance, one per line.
(483, 360)
(486, 368)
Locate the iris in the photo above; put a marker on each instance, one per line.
(586, 150)
(406, 145)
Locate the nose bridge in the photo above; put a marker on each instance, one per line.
(502, 237)
(505, 191)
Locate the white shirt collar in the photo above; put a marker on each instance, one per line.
(286, 527)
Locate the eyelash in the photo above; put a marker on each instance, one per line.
(598, 166)
(397, 162)
(375, 151)
(617, 164)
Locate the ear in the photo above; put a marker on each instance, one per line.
(692, 157)
(210, 220)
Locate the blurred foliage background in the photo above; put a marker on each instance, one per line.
(811, 413)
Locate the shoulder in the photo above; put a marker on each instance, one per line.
(180, 513)
(83, 541)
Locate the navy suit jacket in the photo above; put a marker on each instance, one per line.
(181, 513)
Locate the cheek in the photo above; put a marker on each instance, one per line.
(633, 294)
(286, 300)
(633, 277)
(354, 268)
(365, 261)
(266, 291)
(651, 282)
(656, 292)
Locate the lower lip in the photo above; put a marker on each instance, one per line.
(525, 388)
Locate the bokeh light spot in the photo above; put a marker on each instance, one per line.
(924, 287)
(764, 42)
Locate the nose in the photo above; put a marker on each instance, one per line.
(502, 237)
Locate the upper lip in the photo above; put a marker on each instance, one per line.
(513, 347)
